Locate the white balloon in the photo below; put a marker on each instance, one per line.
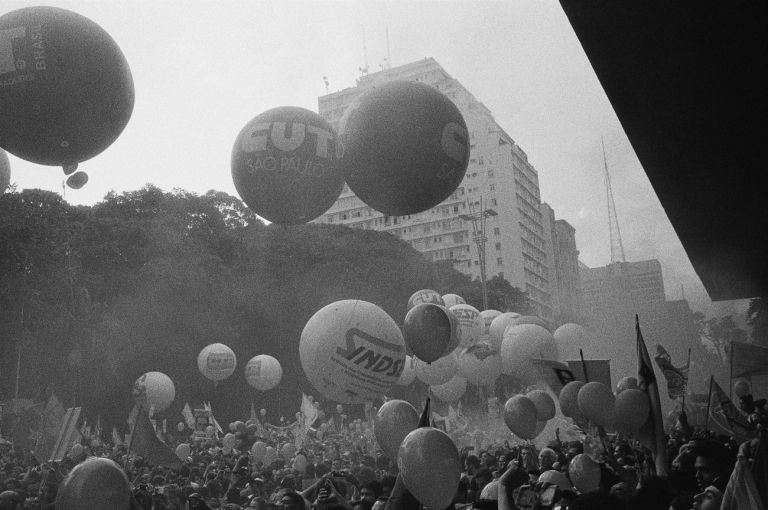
(216, 362)
(263, 372)
(425, 296)
(157, 388)
(453, 299)
(437, 372)
(352, 351)
(470, 323)
(450, 391)
(487, 317)
(479, 364)
(497, 328)
(521, 344)
(409, 372)
(569, 338)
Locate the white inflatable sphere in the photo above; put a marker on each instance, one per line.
(216, 362)
(409, 372)
(263, 372)
(487, 317)
(425, 296)
(452, 300)
(352, 351)
(450, 391)
(569, 338)
(156, 389)
(523, 343)
(479, 364)
(470, 323)
(437, 372)
(497, 328)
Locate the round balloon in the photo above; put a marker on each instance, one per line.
(76, 451)
(584, 473)
(452, 300)
(156, 389)
(300, 463)
(263, 372)
(741, 388)
(631, 410)
(597, 403)
(520, 416)
(258, 450)
(216, 362)
(570, 338)
(545, 406)
(479, 364)
(430, 466)
(5, 172)
(529, 319)
(270, 456)
(427, 331)
(470, 322)
(487, 317)
(183, 450)
(455, 332)
(229, 441)
(66, 91)
(410, 168)
(408, 374)
(425, 296)
(523, 343)
(77, 180)
(497, 328)
(555, 478)
(450, 391)
(568, 398)
(437, 372)
(95, 483)
(287, 451)
(394, 420)
(352, 351)
(285, 165)
(626, 383)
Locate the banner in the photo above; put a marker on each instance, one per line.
(52, 419)
(68, 434)
(677, 377)
(598, 370)
(748, 360)
(653, 429)
(554, 373)
(725, 417)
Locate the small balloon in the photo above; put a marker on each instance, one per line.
(95, 483)
(229, 441)
(77, 180)
(631, 410)
(430, 466)
(741, 388)
(394, 420)
(450, 391)
(216, 362)
(183, 450)
(300, 463)
(584, 473)
(287, 451)
(427, 331)
(568, 398)
(259, 451)
(76, 451)
(545, 406)
(270, 456)
(597, 403)
(263, 372)
(520, 416)
(626, 383)
(155, 389)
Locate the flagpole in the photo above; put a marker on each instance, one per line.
(584, 366)
(730, 375)
(709, 404)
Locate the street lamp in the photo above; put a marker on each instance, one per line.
(478, 219)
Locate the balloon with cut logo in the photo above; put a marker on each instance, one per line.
(263, 372)
(216, 362)
(394, 420)
(95, 483)
(155, 389)
(427, 331)
(352, 351)
(285, 165)
(470, 323)
(406, 147)
(66, 91)
(425, 296)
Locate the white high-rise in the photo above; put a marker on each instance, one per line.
(499, 177)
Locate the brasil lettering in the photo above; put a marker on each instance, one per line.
(11, 62)
(365, 354)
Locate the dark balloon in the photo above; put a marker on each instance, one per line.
(66, 90)
(95, 483)
(285, 165)
(427, 331)
(406, 147)
(5, 171)
(77, 180)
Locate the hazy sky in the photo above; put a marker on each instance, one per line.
(203, 69)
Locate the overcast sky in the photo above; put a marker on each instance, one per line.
(203, 69)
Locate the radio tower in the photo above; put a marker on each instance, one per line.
(617, 248)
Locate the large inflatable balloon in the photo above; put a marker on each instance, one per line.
(626, 383)
(597, 403)
(530, 319)
(394, 420)
(66, 90)
(285, 165)
(479, 364)
(408, 374)
(430, 465)
(437, 372)
(406, 147)
(5, 172)
(352, 351)
(584, 473)
(570, 338)
(487, 317)
(427, 331)
(520, 417)
(452, 300)
(450, 391)
(631, 410)
(155, 389)
(95, 483)
(569, 395)
(263, 372)
(425, 296)
(521, 344)
(216, 362)
(545, 406)
(497, 328)
(470, 323)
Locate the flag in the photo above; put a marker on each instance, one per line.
(597, 370)
(742, 490)
(254, 416)
(748, 360)
(208, 408)
(68, 434)
(189, 418)
(116, 437)
(554, 373)
(677, 377)
(725, 418)
(52, 418)
(652, 432)
(145, 443)
(131, 420)
(97, 428)
(309, 412)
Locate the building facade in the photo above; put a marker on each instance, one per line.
(565, 281)
(499, 178)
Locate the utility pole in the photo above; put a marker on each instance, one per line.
(478, 220)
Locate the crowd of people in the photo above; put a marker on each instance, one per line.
(339, 466)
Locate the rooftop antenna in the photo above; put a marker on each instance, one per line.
(617, 247)
(364, 69)
(327, 84)
(389, 58)
(682, 292)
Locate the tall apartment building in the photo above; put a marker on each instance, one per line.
(629, 285)
(499, 177)
(565, 281)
